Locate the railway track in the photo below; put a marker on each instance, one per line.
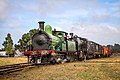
(13, 68)
(17, 67)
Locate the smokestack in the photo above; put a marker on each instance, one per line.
(41, 25)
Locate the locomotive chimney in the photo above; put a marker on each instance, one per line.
(41, 25)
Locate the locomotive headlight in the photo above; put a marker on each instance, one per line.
(44, 52)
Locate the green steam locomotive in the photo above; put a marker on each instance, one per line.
(51, 46)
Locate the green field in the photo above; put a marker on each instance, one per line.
(95, 69)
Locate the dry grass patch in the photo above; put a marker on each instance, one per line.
(12, 60)
(70, 71)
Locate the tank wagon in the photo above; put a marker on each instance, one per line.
(52, 46)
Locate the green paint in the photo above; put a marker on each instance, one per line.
(71, 46)
(58, 43)
(64, 46)
(48, 29)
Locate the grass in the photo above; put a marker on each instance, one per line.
(106, 60)
(89, 70)
(111, 71)
(12, 60)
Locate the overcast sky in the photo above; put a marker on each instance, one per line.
(97, 20)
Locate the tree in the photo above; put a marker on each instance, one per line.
(114, 48)
(25, 41)
(8, 45)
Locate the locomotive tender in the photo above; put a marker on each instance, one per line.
(51, 46)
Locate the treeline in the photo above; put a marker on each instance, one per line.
(25, 41)
(22, 44)
(114, 48)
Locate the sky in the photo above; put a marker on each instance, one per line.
(96, 20)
